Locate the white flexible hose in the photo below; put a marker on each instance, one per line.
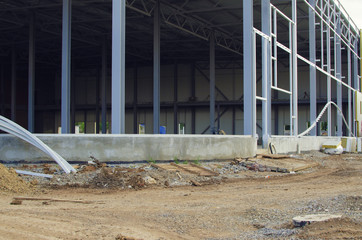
(320, 116)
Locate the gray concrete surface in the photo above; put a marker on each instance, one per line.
(127, 148)
(286, 144)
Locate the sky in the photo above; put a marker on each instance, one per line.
(354, 9)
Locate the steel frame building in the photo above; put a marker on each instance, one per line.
(279, 49)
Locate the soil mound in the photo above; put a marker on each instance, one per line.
(343, 228)
(10, 182)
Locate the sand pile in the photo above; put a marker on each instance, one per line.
(10, 181)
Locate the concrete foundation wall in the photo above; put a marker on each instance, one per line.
(130, 147)
(285, 144)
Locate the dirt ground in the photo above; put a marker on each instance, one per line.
(238, 205)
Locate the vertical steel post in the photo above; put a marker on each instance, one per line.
(31, 73)
(2, 90)
(135, 99)
(98, 97)
(266, 71)
(349, 91)
(360, 48)
(212, 84)
(249, 64)
(66, 66)
(355, 80)
(312, 69)
(175, 98)
(329, 94)
(13, 85)
(104, 86)
(338, 71)
(72, 99)
(118, 65)
(193, 95)
(295, 68)
(156, 68)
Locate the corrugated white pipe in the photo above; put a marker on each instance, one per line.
(320, 116)
(18, 131)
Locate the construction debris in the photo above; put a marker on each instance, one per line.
(33, 174)
(189, 168)
(280, 163)
(333, 147)
(49, 199)
(272, 156)
(301, 221)
(121, 237)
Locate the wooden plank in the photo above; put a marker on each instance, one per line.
(273, 156)
(51, 199)
(195, 183)
(185, 169)
(205, 169)
(158, 167)
(304, 167)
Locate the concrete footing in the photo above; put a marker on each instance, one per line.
(286, 144)
(129, 148)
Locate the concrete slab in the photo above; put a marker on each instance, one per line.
(286, 144)
(129, 148)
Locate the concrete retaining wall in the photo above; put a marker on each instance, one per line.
(127, 148)
(286, 144)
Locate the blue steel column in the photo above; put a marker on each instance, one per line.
(249, 84)
(295, 68)
(175, 98)
(31, 74)
(338, 69)
(212, 84)
(355, 67)
(312, 69)
(66, 66)
(156, 69)
(118, 65)
(104, 86)
(355, 81)
(2, 91)
(13, 85)
(266, 73)
(349, 91)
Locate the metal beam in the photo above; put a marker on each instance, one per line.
(135, 99)
(329, 94)
(31, 73)
(13, 85)
(97, 98)
(355, 83)
(66, 66)
(266, 71)
(175, 98)
(118, 66)
(104, 86)
(295, 68)
(350, 112)
(249, 64)
(338, 73)
(193, 96)
(312, 70)
(212, 84)
(156, 69)
(2, 90)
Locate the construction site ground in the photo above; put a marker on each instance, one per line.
(143, 201)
